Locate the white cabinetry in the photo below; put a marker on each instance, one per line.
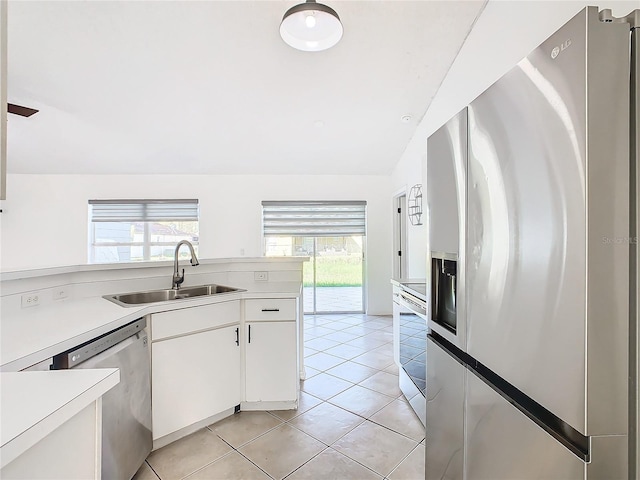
(271, 370)
(198, 370)
(196, 365)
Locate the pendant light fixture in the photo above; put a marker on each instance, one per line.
(311, 27)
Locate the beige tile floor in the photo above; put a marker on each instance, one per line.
(352, 422)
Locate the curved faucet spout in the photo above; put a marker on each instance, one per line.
(177, 277)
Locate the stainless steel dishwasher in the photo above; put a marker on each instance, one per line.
(126, 408)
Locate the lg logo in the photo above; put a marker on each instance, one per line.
(557, 50)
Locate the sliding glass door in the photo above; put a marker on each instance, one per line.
(331, 234)
(333, 279)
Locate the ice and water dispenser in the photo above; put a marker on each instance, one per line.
(443, 291)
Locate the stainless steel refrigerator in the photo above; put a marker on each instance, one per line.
(531, 359)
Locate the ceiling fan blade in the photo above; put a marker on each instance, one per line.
(20, 110)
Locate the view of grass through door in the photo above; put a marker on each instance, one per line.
(331, 234)
(333, 276)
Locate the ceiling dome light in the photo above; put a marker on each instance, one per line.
(311, 27)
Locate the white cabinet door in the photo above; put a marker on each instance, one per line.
(193, 378)
(271, 361)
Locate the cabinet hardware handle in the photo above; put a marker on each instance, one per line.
(238, 336)
(270, 309)
(249, 333)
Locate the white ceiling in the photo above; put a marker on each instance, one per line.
(209, 87)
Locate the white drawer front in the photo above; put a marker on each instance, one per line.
(266, 309)
(193, 319)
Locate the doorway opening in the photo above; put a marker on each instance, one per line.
(400, 236)
(333, 278)
(332, 235)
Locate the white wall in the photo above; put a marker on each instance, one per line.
(504, 33)
(45, 219)
(408, 173)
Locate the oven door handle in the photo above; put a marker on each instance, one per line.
(412, 303)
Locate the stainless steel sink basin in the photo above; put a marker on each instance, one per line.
(154, 296)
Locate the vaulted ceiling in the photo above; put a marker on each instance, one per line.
(210, 87)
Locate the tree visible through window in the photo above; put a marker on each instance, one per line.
(140, 230)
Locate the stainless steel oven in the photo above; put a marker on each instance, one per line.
(410, 340)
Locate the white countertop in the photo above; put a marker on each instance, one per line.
(401, 281)
(416, 286)
(36, 403)
(34, 334)
(93, 267)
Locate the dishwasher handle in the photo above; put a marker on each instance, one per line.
(83, 352)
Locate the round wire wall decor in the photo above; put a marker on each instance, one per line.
(415, 204)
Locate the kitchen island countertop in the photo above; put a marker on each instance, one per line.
(34, 404)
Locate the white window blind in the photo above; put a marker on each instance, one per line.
(140, 230)
(144, 210)
(313, 218)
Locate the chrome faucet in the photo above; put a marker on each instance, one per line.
(177, 277)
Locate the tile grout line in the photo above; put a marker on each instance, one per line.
(365, 418)
(328, 447)
(152, 469)
(322, 441)
(400, 463)
(237, 450)
(254, 464)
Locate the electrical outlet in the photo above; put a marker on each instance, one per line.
(59, 294)
(261, 276)
(30, 300)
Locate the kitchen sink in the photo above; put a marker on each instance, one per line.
(169, 294)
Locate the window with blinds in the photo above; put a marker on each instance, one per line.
(140, 230)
